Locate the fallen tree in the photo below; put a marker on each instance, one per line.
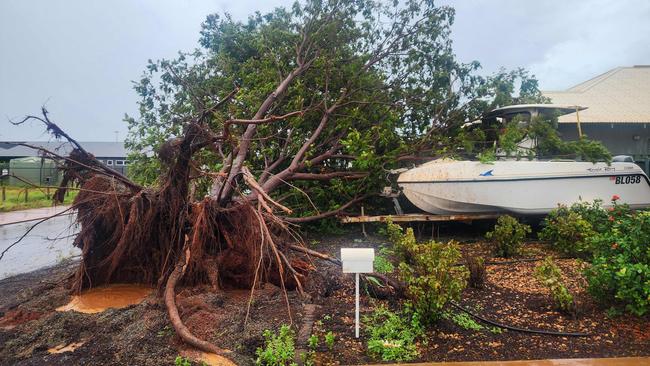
(324, 96)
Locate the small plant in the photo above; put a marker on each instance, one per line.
(549, 274)
(329, 340)
(279, 350)
(312, 342)
(165, 332)
(568, 232)
(327, 317)
(393, 336)
(383, 265)
(464, 321)
(507, 236)
(477, 274)
(182, 361)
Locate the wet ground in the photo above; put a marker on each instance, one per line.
(33, 332)
(47, 244)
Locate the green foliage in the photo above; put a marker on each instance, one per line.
(549, 274)
(464, 321)
(393, 336)
(312, 341)
(568, 232)
(487, 157)
(182, 361)
(429, 271)
(329, 340)
(507, 236)
(619, 274)
(550, 145)
(385, 107)
(382, 262)
(279, 350)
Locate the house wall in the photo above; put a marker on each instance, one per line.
(620, 138)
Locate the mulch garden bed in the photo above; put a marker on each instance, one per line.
(141, 334)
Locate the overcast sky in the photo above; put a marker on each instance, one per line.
(79, 56)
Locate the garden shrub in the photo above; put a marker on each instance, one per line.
(279, 350)
(429, 271)
(476, 267)
(619, 274)
(550, 275)
(382, 262)
(401, 241)
(393, 336)
(568, 232)
(507, 236)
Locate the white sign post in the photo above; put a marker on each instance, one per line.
(357, 260)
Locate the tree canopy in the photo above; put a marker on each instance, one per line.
(326, 96)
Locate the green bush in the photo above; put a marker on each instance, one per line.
(393, 336)
(429, 271)
(382, 262)
(568, 232)
(507, 236)
(279, 350)
(401, 241)
(549, 274)
(619, 274)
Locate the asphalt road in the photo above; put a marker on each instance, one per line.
(47, 244)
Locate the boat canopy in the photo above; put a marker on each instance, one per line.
(533, 109)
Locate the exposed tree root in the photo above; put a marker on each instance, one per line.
(180, 328)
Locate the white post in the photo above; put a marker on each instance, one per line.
(356, 313)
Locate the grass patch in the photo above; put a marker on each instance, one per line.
(36, 198)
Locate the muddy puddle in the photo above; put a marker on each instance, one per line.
(215, 360)
(102, 298)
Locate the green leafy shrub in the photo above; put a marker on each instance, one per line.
(568, 232)
(279, 350)
(393, 336)
(550, 275)
(619, 274)
(477, 274)
(401, 241)
(329, 340)
(507, 236)
(429, 271)
(382, 262)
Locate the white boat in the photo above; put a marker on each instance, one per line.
(520, 187)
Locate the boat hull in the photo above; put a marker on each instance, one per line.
(525, 188)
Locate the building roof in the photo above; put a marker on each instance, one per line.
(99, 149)
(621, 95)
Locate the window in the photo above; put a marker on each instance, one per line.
(119, 162)
(109, 162)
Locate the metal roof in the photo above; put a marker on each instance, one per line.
(101, 149)
(621, 95)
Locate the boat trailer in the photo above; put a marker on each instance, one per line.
(418, 218)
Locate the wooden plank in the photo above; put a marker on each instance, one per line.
(417, 217)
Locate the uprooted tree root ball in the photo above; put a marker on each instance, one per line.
(162, 236)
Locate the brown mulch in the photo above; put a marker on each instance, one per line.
(142, 334)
